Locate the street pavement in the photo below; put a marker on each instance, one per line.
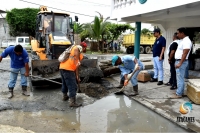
(157, 98)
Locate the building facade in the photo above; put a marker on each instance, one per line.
(4, 34)
(168, 15)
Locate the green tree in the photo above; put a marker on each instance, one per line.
(117, 29)
(96, 29)
(78, 28)
(197, 37)
(146, 32)
(84, 34)
(22, 21)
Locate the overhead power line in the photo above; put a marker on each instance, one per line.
(80, 4)
(93, 2)
(57, 8)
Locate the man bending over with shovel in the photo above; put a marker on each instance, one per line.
(69, 74)
(127, 65)
(19, 63)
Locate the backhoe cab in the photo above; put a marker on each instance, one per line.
(54, 33)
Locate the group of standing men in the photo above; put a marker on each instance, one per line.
(178, 52)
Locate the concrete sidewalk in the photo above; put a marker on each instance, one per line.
(157, 98)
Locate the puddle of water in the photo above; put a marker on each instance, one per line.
(110, 114)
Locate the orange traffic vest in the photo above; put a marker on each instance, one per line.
(72, 63)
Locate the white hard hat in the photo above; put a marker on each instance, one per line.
(80, 48)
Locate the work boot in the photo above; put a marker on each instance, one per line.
(73, 102)
(24, 91)
(11, 93)
(65, 97)
(135, 91)
(160, 83)
(121, 84)
(154, 80)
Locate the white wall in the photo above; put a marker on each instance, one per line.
(168, 34)
(150, 6)
(3, 35)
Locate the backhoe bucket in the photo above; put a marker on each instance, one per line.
(49, 69)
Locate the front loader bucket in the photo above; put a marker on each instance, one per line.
(49, 69)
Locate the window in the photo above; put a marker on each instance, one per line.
(20, 40)
(26, 40)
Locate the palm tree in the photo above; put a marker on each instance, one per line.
(97, 29)
(78, 28)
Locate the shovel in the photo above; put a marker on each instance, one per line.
(129, 78)
(34, 77)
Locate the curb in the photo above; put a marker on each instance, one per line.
(167, 116)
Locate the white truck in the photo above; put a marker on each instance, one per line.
(22, 40)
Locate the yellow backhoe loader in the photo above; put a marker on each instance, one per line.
(54, 33)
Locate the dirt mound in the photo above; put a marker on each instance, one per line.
(94, 90)
(87, 74)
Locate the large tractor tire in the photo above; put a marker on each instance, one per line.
(130, 50)
(141, 50)
(147, 49)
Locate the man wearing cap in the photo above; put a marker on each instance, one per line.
(70, 75)
(126, 65)
(84, 46)
(158, 57)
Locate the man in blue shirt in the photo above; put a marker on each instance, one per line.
(126, 65)
(19, 63)
(158, 57)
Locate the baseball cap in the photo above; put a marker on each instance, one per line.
(84, 44)
(114, 59)
(156, 30)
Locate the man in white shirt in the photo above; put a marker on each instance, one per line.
(181, 57)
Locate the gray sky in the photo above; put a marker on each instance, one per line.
(86, 7)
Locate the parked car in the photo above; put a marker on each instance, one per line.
(22, 40)
(7, 43)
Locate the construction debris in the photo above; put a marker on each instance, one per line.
(94, 90)
(108, 69)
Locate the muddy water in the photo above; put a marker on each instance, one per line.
(110, 114)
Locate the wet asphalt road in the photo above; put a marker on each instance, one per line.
(44, 111)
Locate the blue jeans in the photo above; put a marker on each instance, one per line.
(134, 77)
(13, 77)
(189, 66)
(180, 74)
(68, 82)
(158, 68)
